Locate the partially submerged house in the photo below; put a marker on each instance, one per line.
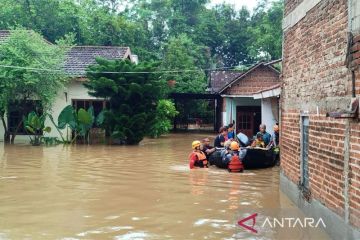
(75, 93)
(249, 97)
(320, 129)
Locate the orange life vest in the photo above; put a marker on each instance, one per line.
(201, 157)
(235, 165)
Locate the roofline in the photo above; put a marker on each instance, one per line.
(268, 93)
(247, 72)
(274, 62)
(100, 46)
(237, 96)
(29, 30)
(278, 85)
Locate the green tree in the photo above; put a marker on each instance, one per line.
(133, 95)
(27, 51)
(165, 112)
(266, 31)
(183, 55)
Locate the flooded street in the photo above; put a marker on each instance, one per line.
(137, 192)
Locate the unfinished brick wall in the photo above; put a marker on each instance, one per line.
(261, 78)
(316, 80)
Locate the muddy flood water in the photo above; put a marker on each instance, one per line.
(137, 192)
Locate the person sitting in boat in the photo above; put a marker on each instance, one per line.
(206, 148)
(265, 135)
(220, 139)
(197, 158)
(226, 154)
(274, 142)
(226, 149)
(258, 141)
(231, 132)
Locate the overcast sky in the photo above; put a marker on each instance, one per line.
(238, 3)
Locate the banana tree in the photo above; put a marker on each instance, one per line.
(35, 125)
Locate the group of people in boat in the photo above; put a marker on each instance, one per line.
(232, 147)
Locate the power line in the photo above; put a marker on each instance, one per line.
(110, 72)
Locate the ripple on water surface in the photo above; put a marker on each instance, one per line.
(128, 192)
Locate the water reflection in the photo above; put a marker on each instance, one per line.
(118, 192)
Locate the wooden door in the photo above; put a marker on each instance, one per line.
(247, 120)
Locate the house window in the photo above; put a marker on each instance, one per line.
(98, 105)
(305, 152)
(17, 111)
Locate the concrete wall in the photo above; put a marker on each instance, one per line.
(354, 16)
(267, 114)
(317, 81)
(74, 90)
(267, 106)
(232, 103)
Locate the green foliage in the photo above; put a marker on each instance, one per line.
(231, 36)
(266, 32)
(50, 141)
(35, 125)
(165, 112)
(80, 122)
(27, 51)
(133, 97)
(181, 53)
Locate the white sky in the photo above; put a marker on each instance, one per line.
(237, 3)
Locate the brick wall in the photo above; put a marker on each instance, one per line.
(316, 80)
(354, 193)
(326, 162)
(261, 78)
(290, 145)
(290, 5)
(314, 56)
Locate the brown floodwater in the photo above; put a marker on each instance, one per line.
(133, 192)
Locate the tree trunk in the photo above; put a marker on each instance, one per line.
(13, 135)
(6, 130)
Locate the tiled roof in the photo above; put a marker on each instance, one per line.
(219, 79)
(80, 57)
(4, 34)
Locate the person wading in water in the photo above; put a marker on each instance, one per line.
(197, 158)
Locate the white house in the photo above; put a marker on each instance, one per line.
(77, 60)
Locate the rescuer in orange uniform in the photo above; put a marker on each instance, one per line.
(197, 158)
(235, 163)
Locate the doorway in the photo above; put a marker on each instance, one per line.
(248, 119)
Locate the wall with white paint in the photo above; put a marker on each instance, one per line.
(232, 103)
(74, 90)
(267, 114)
